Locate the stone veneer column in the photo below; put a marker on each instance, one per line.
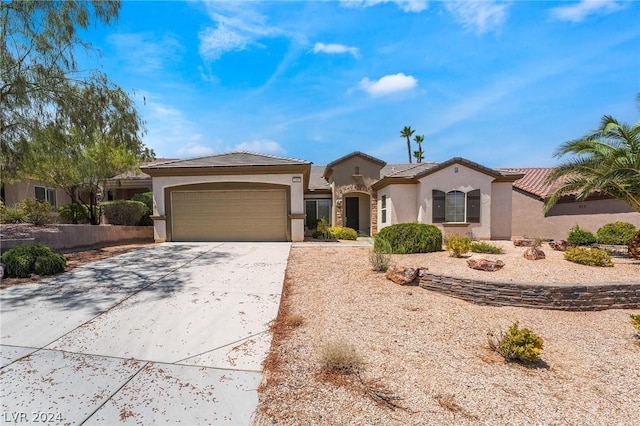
(374, 213)
(338, 213)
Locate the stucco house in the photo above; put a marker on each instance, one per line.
(243, 196)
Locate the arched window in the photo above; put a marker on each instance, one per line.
(454, 206)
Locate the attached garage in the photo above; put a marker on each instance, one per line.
(229, 215)
(236, 196)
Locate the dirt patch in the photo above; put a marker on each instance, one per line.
(429, 352)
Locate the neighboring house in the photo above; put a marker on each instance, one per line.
(529, 219)
(12, 193)
(126, 185)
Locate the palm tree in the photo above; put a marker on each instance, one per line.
(419, 154)
(607, 161)
(407, 132)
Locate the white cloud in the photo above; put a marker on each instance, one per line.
(264, 146)
(483, 16)
(144, 52)
(238, 26)
(415, 6)
(335, 49)
(388, 84)
(578, 12)
(194, 150)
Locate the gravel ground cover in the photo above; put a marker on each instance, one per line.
(426, 360)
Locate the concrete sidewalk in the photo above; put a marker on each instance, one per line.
(174, 333)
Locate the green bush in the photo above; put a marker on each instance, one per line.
(518, 344)
(123, 212)
(618, 233)
(322, 229)
(20, 262)
(36, 212)
(581, 237)
(342, 233)
(457, 245)
(411, 238)
(12, 214)
(588, 256)
(74, 213)
(147, 199)
(483, 247)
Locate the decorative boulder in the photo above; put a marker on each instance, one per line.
(533, 253)
(485, 264)
(402, 275)
(561, 245)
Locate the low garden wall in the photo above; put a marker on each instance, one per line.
(568, 297)
(71, 237)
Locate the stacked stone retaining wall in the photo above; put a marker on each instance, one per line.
(569, 297)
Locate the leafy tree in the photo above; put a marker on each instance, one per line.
(419, 154)
(606, 161)
(99, 137)
(38, 70)
(407, 132)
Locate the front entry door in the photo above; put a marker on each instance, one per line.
(352, 213)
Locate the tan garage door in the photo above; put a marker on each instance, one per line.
(238, 215)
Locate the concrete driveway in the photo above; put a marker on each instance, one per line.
(174, 333)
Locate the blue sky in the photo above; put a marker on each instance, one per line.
(499, 83)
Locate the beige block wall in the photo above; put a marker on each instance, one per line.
(465, 179)
(529, 219)
(18, 191)
(297, 196)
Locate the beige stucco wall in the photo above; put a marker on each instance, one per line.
(529, 219)
(18, 191)
(402, 206)
(501, 210)
(465, 179)
(297, 196)
(343, 172)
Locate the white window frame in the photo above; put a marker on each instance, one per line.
(383, 209)
(50, 195)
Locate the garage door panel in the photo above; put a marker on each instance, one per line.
(219, 215)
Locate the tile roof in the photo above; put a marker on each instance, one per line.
(408, 170)
(137, 174)
(534, 180)
(316, 181)
(353, 154)
(230, 159)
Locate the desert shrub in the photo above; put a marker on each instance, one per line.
(36, 212)
(342, 233)
(457, 245)
(38, 259)
(340, 357)
(483, 247)
(322, 229)
(619, 233)
(147, 199)
(380, 256)
(581, 237)
(635, 321)
(12, 214)
(74, 213)
(123, 212)
(588, 256)
(517, 344)
(411, 238)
